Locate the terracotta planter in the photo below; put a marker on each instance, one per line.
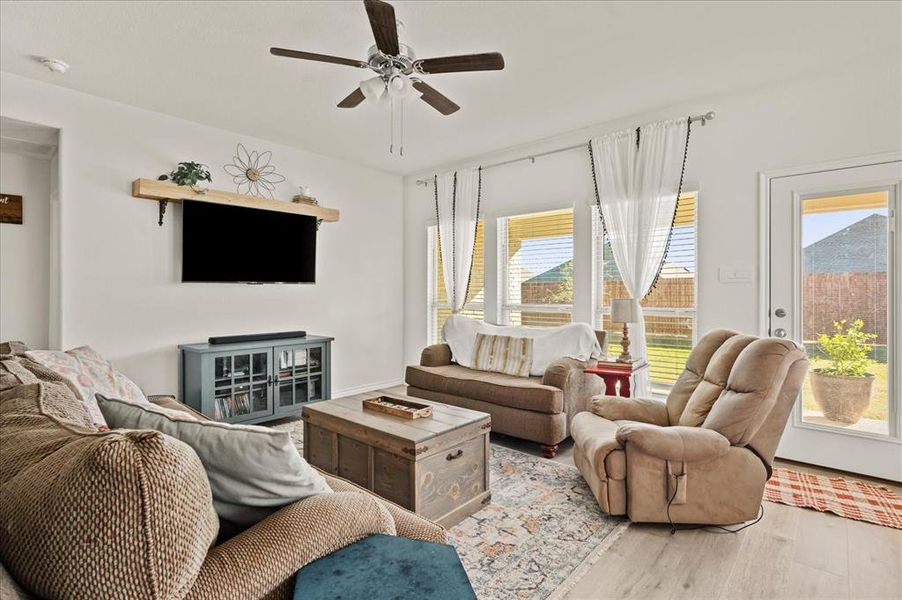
(842, 398)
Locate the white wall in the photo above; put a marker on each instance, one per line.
(25, 251)
(120, 289)
(855, 110)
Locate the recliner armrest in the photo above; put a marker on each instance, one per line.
(569, 376)
(677, 443)
(644, 410)
(437, 355)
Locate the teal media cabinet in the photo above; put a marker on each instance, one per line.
(257, 381)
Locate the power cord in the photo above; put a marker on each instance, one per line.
(709, 528)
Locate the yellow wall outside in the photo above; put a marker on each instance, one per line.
(847, 202)
(558, 223)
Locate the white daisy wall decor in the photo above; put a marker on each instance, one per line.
(253, 173)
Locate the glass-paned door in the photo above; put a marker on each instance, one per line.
(834, 288)
(241, 386)
(294, 364)
(315, 383)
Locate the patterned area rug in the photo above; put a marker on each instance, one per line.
(541, 533)
(847, 498)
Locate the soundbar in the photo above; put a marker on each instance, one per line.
(255, 337)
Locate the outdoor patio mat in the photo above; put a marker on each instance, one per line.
(847, 498)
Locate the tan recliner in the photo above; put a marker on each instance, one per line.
(703, 456)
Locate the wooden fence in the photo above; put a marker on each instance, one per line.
(829, 297)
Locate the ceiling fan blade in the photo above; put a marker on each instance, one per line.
(385, 28)
(489, 61)
(318, 57)
(436, 99)
(353, 99)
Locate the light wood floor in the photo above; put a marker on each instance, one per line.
(791, 553)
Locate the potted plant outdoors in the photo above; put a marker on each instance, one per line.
(190, 174)
(843, 389)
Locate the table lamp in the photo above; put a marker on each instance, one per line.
(625, 310)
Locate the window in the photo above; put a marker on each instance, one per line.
(669, 308)
(439, 305)
(535, 261)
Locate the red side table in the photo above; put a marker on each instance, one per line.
(617, 372)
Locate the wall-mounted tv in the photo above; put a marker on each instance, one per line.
(235, 244)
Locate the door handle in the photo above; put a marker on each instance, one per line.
(780, 313)
(780, 333)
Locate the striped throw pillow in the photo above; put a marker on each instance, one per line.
(503, 354)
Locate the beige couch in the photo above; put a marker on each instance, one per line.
(704, 455)
(129, 514)
(539, 409)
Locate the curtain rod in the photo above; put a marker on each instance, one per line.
(708, 116)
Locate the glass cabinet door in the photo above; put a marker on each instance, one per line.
(291, 376)
(241, 386)
(316, 359)
(298, 376)
(316, 387)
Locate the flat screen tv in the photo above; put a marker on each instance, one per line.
(234, 244)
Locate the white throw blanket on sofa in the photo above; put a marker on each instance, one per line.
(576, 340)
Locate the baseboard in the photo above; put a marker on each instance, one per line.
(369, 387)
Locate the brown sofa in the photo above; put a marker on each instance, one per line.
(128, 514)
(704, 455)
(538, 409)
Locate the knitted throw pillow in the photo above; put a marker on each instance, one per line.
(90, 514)
(253, 471)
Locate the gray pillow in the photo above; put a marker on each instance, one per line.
(253, 471)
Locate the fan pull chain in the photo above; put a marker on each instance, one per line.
(402, 127)
(391, 125)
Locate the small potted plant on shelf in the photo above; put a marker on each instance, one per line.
(190, 174)
(843, 389)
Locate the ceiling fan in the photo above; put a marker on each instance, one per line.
(398, 69)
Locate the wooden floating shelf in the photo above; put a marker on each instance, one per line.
(152, 189)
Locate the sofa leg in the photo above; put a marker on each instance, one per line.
(548, 451)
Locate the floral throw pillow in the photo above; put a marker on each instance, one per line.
(88, 374)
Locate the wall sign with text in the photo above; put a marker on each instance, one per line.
(10, 209)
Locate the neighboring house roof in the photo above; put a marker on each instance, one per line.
(559, 273)
(858, 248)
(555, 274)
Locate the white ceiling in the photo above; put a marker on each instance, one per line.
(569, 64)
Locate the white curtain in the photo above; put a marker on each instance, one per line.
(457, 197)
(638, 175)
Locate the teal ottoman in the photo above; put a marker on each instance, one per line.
(386, 567)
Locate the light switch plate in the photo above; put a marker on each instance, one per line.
(735, 274)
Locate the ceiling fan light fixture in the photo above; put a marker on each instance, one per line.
(373, 89)
(400, 86)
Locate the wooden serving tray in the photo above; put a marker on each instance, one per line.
(397, 407)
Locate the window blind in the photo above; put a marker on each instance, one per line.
(670, 308)
(439, 305)
(536, 268)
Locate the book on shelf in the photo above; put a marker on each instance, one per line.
(221, 408)
(226, 407)
(614, 364)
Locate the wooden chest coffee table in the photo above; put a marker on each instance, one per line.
(435, 466)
